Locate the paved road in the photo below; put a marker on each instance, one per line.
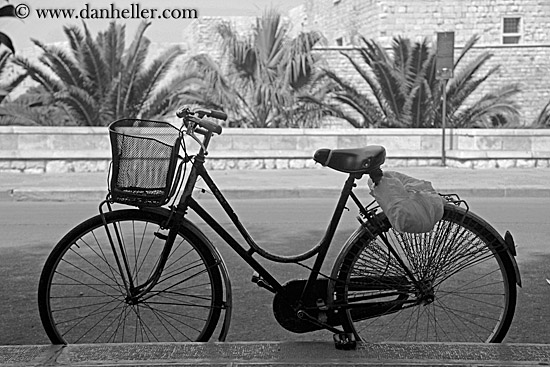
(30, 229)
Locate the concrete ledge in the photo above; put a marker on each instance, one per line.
(277, 354)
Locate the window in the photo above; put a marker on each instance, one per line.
(339, 41)
(511, 30)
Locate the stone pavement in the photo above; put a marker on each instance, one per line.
(293, 183)
(277, 354)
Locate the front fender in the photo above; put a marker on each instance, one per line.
(219, 259)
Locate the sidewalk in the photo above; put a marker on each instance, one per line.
(277, 354)
(291, 183)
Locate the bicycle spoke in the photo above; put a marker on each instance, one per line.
(459, 290)
(87, 301)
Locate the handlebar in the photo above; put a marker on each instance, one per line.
(210, 126)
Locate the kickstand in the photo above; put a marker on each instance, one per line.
(345, 341)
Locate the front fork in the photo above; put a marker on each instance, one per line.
(135, 293)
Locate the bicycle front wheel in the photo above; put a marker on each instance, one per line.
(465, 283)
(82, 296)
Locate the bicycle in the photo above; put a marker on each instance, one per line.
(147, 274)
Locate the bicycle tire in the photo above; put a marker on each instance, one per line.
(82, 299)
(461, 261)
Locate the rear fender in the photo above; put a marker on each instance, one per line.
(507, 243)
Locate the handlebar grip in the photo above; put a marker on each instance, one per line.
(210, 126)
(219, 115)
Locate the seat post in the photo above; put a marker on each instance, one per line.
(376, 175)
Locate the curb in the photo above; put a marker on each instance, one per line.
(277, 354)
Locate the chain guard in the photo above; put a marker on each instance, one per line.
(285, 306)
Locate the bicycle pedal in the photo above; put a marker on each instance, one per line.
(345, 341)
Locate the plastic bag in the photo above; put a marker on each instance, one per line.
(411, 205)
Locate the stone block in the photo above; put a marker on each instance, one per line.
(79, 142)
(250, 164)
(5, 165)
(34, 165)
(525, 163)
(230, 164)
(543, 163)
(349, 141)
(459, 163)
(283, 142)
(309, 143)
(281, 163)
(8, 142)
(395, 163)
(269, 163)
(58, 166)
(222, 142)
(18, 165)
(255, 142)
(520, 143)
(489, 163)
(465, 142)
(488, 142)
(540, 143)
(399, 142)
(90, 166)
(310, 163)
(34, 142)
(431, 142)
(216, 164)
(296, 163)
(506, 163)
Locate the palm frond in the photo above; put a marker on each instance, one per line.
(349, 95)
(112, 45)
(543, 118)
(147, 80)
(61, 64)
(498, 103)
(39, 75)
(467, 47)
(301, 59)
(401, 48)
(82, 105)
(76, 39)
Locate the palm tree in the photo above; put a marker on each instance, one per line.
(542, 121)
(403, 91)
(264, 78)
(8, 83)
(100, 80)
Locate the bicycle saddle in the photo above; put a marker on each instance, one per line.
(356, 160)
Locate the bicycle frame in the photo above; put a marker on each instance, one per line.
(268, 281)
(188, 202)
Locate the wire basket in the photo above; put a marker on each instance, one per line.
(144, 162)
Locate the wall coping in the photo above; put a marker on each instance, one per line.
(72, 130)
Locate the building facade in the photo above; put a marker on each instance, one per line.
(516, 32)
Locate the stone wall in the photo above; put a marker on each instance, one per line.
(79, 149)
(383, 19)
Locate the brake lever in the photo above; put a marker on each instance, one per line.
(191, 132)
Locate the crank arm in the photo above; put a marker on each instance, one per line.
(305, 316)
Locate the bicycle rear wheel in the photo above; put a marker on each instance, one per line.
(82, 297)
(465, 292)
